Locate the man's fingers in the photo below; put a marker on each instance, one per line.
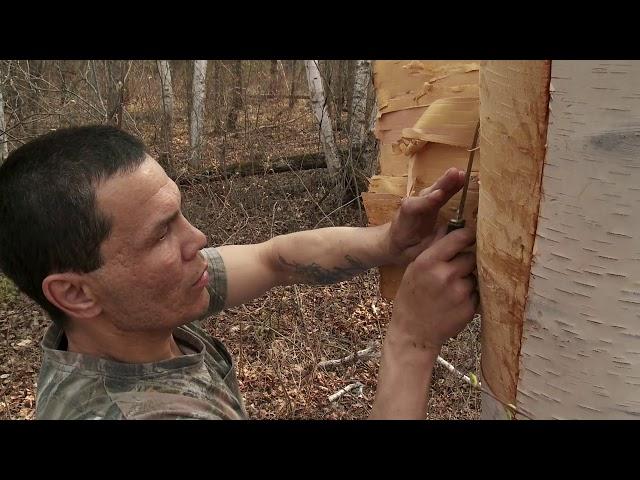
(440, 232)
(452, 179)
(452, 244)
(464, 264)
(434, 197)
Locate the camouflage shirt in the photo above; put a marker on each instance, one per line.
(201, 384)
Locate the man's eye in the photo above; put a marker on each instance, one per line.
(164, 234)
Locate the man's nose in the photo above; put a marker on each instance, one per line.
(196, 242)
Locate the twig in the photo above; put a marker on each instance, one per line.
(473, 381)
(370, 352)
(6, 406)
(347, 389)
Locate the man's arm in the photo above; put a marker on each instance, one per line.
(317, 257)
(330, 255)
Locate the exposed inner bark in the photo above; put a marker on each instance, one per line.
(514, 99)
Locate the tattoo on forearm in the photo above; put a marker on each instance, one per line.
(318, 275)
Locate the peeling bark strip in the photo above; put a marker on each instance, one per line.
(580, 356)
(514, 99)
(427, 113)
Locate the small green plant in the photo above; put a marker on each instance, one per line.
(8, 291)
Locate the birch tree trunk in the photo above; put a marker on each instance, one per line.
(164, 71)
(3, 136)
(320, 111)
(197, 111)
(578, 354)
(358, 125)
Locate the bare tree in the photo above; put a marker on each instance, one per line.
(358, 120)
(292, 92)
(236, 96)
(319, 106)
(117, 73)
(197, 111)
(273, 80)
(164, 71)
(216, 96)
(348, 85)
(3, 136)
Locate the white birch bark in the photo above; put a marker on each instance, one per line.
(197, 111)
(167, 90)
(573, 331)
(321, 112)
(358, 126)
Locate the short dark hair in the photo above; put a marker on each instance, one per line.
(49, 220)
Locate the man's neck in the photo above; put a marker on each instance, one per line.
(126, 347)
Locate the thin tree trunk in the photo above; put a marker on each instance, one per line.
(117, 71)
(349, 93)
(318, 104)
(3, 136)
(197, 110)
(358, 125)
(217, 94)
(292, 92)
(236, 96)
(273, 80)
(339, 94)
(164, 71)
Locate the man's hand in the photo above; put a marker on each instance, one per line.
(436, 299)
(437, 296)
(412, 229)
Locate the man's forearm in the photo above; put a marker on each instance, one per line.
(404, 379)
(329, 255)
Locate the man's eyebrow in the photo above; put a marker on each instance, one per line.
(165, 221)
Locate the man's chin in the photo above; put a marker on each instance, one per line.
(201, 305)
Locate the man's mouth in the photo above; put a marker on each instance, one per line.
(202, 280)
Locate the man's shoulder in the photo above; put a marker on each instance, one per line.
(75, 386)
(85, 395)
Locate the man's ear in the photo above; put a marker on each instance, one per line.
(69, 292)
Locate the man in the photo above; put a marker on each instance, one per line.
(91, 228)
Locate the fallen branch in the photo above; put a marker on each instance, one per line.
(306, 161)
(370, 352)
(347, 389)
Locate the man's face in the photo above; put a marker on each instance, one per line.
(152, 275)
